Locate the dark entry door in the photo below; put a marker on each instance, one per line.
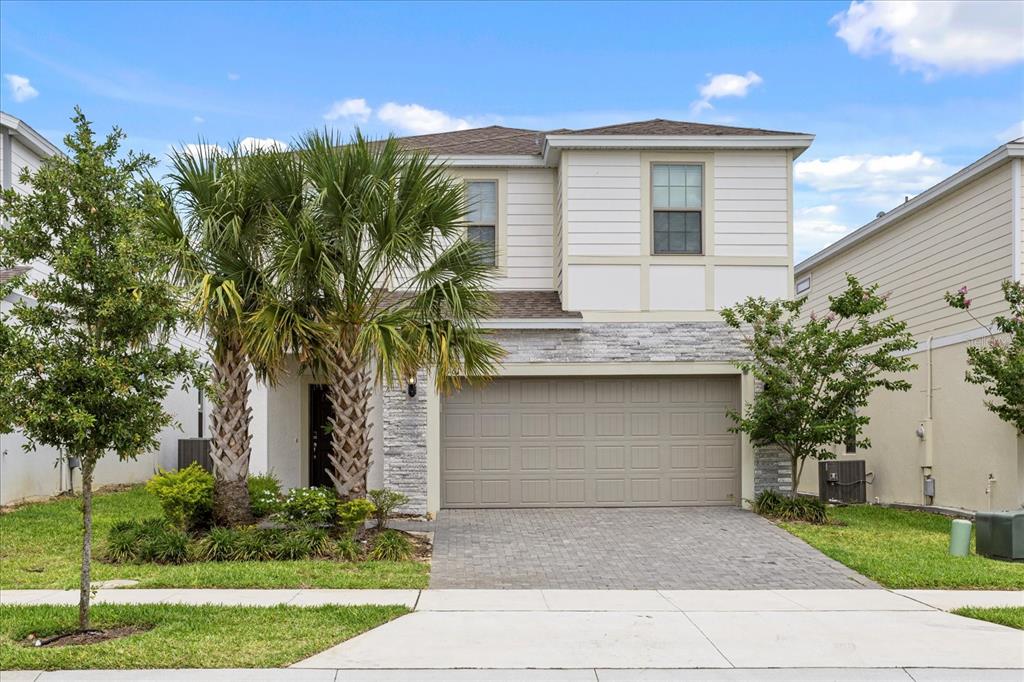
(319, 436)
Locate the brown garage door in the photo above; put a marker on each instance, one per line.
(591, 442)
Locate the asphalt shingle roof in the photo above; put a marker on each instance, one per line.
(502, 140)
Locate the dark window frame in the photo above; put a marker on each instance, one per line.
(700, 212)
(493, 261)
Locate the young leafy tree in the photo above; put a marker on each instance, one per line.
(815, 373)
(373, 250)
(999, 366)
(85, 357)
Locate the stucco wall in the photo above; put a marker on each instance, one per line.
(969, 442)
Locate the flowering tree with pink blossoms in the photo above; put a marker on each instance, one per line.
(999, 364)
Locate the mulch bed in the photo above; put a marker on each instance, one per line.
(80, 637)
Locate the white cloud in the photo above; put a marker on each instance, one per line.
(417, 119)
(872, 174)
(199, 149)
(934, 37)
(251, 144)
(1012, 133)
(198, 119)
(724, 85)
(815, 227)
(356, 109)
(233, 76)
(21, 88)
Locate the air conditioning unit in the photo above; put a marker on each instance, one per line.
(195, 451)
(842, 481)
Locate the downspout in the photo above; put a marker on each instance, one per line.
(926, 431)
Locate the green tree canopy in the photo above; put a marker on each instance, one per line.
(815, 373)
(86, 356)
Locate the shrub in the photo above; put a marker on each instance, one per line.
(315, 506)
(316, 540)
(255, 544)
(774, 505)
(385, 501)
(390, 545)
(217, 545)
(353, 514)
(290, 546)
(347, 549)
(264, 494)
(186, 496)
(147, 540)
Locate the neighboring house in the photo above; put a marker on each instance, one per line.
(615, 248)
(26, 475)
(964, 231)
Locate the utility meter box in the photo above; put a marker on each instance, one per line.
(1000, 535)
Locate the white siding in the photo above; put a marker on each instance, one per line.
(734, 283)
(678, 287)
(965, 238)
(751, 204)
(21, 157)
(603, 200)
(530, 230)
(604, 287)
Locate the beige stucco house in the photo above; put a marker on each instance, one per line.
(615, 248)
(966, 230)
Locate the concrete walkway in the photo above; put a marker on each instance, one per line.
(507, 675)
(545, 600)
(676, 629)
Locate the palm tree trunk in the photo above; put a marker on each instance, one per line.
(85, 585)
(232, 443)
(349, 395)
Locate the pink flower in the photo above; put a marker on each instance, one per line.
(967, 303)
(962, 290)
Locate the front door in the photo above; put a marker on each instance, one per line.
(319, 436)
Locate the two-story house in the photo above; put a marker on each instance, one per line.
(938, 444)
(615, 248)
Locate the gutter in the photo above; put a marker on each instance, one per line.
(554, 144)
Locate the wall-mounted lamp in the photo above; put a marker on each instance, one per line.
(920, 432)
(411, 390)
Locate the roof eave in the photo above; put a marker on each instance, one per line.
(933, 193)
(554, 144)
(32, 139)
(492, 160)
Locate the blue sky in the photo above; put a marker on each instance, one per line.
(899, 96)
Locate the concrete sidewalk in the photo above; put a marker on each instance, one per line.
(317, 597)
(506, 675)
(546, 600)
(677, 629)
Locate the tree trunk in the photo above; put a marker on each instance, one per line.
(232, 443)
(85, 586)
(797, 471)
(349, 395)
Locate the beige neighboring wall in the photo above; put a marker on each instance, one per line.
(968, 235)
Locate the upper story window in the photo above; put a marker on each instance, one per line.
(678, 202)
(482, 219)
(803, 285)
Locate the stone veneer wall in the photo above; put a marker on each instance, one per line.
(405, 419)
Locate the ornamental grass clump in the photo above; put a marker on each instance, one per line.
(390, 545)
(772, 504)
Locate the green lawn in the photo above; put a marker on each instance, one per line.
(185, 636)
(1011, 616)
(905, 549)
(40, 545)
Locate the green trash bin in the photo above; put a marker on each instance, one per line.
(960, 538)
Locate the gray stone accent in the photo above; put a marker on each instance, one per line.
(772, 470)
(625, 342)
(405, 443)
(691, 548)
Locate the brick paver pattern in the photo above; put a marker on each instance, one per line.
(635, 549)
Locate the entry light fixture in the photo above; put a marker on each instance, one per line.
(411, 390)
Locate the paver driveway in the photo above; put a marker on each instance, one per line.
(638, 549)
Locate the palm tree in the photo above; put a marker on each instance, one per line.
(214, 211)
(375, 252)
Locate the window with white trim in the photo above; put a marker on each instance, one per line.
(482, 219)
(803, 285)
(677, 201)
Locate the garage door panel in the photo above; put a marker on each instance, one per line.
(610, 441)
